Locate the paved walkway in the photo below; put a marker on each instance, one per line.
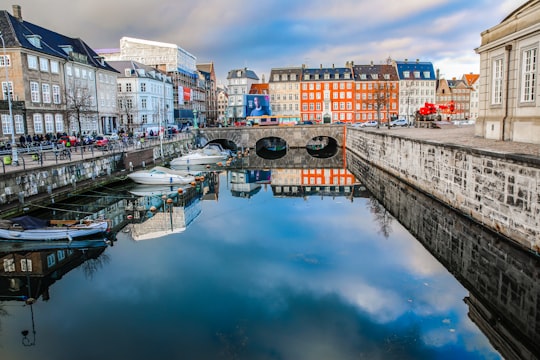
(464, 136)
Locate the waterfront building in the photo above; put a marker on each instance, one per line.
(177, 63)
(239, 83)
(326, 94)
(52, 80)
(376, 92)
(145, 97)
(222, 104)
(472, 80)
(509, 102)
(209, 113)
(284, 89)
(417, 84)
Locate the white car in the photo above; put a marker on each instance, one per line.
(369, 124)
(399, 122)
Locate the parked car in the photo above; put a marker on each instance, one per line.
(72, 140)
(399, 122)
(368, 124)
(101, 141)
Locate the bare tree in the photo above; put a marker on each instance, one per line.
(81, 105)
(127, 112)
(382, 216)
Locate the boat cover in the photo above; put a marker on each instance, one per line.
(30, 222)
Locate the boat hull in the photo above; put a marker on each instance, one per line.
(197, 160)
(152, 179)
(55, 233)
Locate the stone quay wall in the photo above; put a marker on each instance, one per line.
(499, 190)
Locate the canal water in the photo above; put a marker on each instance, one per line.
(269, 263)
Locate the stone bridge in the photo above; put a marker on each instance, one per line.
(294, 136)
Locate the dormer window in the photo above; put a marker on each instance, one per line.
(127, 72)
(363, 76)
(375, 76)
(406, 74)
(68, 49)
(35, 40)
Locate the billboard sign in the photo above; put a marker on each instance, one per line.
(257, 105)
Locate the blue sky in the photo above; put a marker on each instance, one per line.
(262, 35)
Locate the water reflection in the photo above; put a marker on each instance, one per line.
(29, 271)
(504, 299)
(310, 265)
(158, 211)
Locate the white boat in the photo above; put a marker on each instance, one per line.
(161, 176)
(28, 228)
(204, 156)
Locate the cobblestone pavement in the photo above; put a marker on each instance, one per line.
(464, 136)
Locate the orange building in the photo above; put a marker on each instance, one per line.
(326, 95)
(376, 93)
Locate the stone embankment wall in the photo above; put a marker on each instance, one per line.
(500, 191)
(21, 186)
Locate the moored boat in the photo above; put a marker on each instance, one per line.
(29, 228)
(205, 156)
(161, 176)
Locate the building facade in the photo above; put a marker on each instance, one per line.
(239, 83)
(509, 102)
(284, 89)
(145, 97)
(53, 79)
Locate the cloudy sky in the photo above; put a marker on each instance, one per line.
(262, 35)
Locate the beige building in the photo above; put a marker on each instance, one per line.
(509, 106)
(284, 87)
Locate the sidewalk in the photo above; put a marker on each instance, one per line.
(464, 136)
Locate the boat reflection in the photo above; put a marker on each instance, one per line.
(29, 270)
(162, 210)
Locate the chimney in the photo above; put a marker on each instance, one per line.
(417, 61)
(17, 13)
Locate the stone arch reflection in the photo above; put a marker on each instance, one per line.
(322, 147)
(271, 147)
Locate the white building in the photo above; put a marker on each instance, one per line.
(509, 102)
(145, 97)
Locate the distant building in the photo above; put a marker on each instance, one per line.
(239, 84)
(284, 88)
(417, 85)
(472, 80)
(509, 102)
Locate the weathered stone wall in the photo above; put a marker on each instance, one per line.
(500, 191)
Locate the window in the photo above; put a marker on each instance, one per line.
(143, 87)
(406, 74)
(128, 87)
(49, 123)
(528, 75)
(59, 122)
(38, 123)
(32, 62)
(55, 67)
(9, 265)
(61, 254)
(69, 70)
(26, 265)
(56, 94)
(19, 124)
(51, 260)
(6, 125)
(5, 91)
(44, 64)
(497, 81)
(427, 74)
(46, 93)
(34, 91)
(5, 60)
(143, 103)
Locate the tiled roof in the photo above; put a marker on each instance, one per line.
(411, 67)
(18, 32)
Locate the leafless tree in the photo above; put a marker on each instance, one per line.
(127, 111)
(81, 105)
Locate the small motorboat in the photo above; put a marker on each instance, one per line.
(161, 176)
(199, 157)
(29, 228)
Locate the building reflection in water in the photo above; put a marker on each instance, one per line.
(161, 210)
(502, 280)
(27, 274)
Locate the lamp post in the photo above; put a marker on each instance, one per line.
(14, 155)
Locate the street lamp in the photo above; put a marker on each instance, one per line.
(14, 155)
